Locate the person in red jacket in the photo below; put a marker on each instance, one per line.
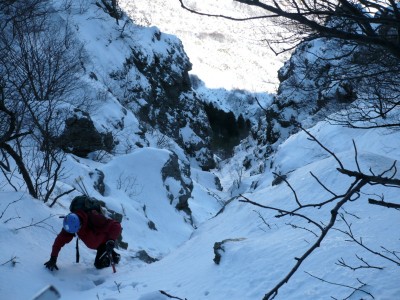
(95, 230)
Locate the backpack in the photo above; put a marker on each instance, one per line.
(87, 204)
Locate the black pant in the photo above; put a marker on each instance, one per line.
(102, 260)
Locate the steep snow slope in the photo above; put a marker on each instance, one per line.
(260, 249)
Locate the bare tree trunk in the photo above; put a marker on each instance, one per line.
(21, 166)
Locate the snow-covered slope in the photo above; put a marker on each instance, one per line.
(259, 250)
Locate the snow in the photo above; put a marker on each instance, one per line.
(259, 249)
(253, 262)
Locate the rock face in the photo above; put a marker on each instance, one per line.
(162, 97)
(98, 181)
(326, 75)
(309, 89)
(80, 137)
(176, 177)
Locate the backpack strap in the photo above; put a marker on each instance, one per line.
(77, 249)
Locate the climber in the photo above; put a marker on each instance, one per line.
(95, 230)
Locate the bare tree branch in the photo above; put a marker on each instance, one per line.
(184, 6)
(356, 156)
(281, 211)
(360, 242)
(36, 224)
(288, 184)
(8, 205)
(322, 146)
(371, 178)
(59, 196)
(353, 192)
(341, 262)
(262, 219)
(334, 213)
(323, 185)
(13, 261)
(385, 204)
(312, 17)
(394, 253)
(301, 227)
(360, 289)
(170, 296)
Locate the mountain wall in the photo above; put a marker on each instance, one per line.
(144, 71)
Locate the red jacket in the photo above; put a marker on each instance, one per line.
(95, 230)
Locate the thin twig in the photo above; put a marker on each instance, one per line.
(344, 285)
(321, 184)
(118, 286)
(393, 167)
(170, 296)
(288, 184)
(262, 218)
(341, 262)
(394, 253)
(300, 227)
(36, 223)
(5, 209)
(319, 205)
(323, 147)
(281, 211)
(348, 213)
(12, 260)
(350, 234)
(259, 104)
(223, 16)
(356, 156)
(62, 194)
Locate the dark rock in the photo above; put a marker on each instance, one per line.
(98, 181)
(278, 180)
(217, 252)
(143, 256)
(80, 137)
(151, 225)
(180, 172)
(219, 248)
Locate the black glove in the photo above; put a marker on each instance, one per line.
(51, 264)
(110, 246)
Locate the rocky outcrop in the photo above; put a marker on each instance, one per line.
(161, 94)
(98, 181)
(80, 136)
(176, 177)
(325, 75)
(219, 248)
(310, 88)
